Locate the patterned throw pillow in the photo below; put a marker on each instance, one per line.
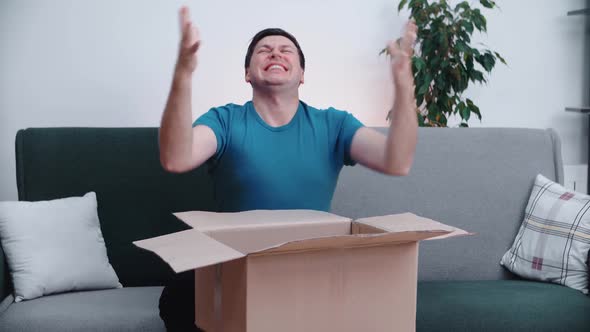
(554, 238)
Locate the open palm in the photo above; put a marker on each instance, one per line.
(189, 43)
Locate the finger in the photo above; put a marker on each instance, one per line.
(192, 36)
(195, 47)
(195, 35)
(409, 38)
(186, 34)
(407, 43)
(394, 48)
(184, 17)
(185, 23)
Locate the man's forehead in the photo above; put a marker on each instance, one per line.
(275, 41)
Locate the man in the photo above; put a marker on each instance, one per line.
(276, 152)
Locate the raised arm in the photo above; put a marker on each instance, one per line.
(393, 153)
(182, 147)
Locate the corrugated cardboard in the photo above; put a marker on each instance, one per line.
(300, 270)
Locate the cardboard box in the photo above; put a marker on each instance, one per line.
(300, 270)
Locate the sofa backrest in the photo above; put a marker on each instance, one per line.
(135, 195)
(477, 179)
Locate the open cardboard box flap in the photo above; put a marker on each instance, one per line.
(221, 237)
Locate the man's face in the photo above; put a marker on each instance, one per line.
(275, 63)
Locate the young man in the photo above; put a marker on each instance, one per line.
(276, 152)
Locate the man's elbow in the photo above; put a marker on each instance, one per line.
(172, 167)
(398, 171)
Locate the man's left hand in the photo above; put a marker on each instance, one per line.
(401, 52)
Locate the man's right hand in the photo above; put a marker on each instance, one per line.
(189, 44)
(182, 147)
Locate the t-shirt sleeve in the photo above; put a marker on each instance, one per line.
(217, 119)
(348, 124)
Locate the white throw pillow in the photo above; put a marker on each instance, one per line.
(55, 246)
(554, 238)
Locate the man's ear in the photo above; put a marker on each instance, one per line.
(301, 81)
(247, 76)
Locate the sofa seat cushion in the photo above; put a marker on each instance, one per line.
(500, 305)
(124, 309)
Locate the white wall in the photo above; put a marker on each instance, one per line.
(109, 63)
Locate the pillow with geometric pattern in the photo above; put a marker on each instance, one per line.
(554, 238)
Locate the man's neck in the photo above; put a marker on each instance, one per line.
(276, 109)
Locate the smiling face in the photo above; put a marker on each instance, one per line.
(275, 63)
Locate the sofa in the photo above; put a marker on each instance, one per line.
(477, 179)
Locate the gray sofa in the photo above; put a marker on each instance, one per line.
(475, 179)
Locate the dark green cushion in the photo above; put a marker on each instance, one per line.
(500, 305)
(136, 197)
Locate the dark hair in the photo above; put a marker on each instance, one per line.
(273, 32)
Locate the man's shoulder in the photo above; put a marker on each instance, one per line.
(333, 118)
(223, 114)
(324, 112)
(228, 111)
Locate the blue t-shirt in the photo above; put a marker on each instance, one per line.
(295, 166)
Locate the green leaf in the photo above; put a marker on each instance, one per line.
(459, 108)
(435, 63)
(489, 62)
(441, 37)
(464, 125)
(500, 57)
(479, 20)
(432, 113)
(416, 4)
(425, 84)
(441, 86)
(463, 5)
(461, 46)
(418, 63)
(468, 61)
(419, 99)
(467, 25)
(464, 36)
(427, 47)
(487, 4)
(465, 113)
(474, 109)
(401, 5)
(476, 75)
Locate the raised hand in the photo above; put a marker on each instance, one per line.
(401, 52)
(189, 44)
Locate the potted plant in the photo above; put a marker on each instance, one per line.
(446, 61)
